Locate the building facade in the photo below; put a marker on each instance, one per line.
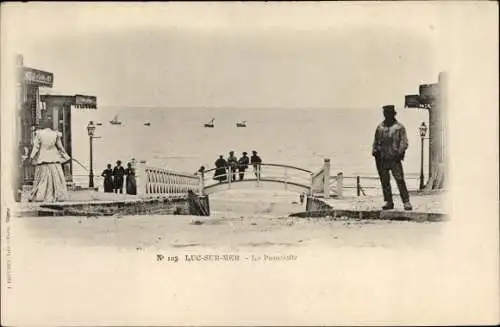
(33, 108)
(64, 113)
(29, 112)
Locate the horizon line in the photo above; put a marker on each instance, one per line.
(232, 107)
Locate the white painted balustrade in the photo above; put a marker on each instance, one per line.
(156, 182)
(326, 185)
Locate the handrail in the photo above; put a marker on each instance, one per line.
(263, 164)
(78, 162)
(171, 172)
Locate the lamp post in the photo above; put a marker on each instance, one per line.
(422, 129)
(90, 131)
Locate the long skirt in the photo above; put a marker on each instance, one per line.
(131, 187)
(49, 184)
(108, 185)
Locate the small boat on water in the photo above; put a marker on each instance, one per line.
(147, 124)
(115, 121)
(211, 124)
(241, 124)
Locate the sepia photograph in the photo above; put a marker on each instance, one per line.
(261, 163)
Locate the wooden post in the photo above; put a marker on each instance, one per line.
(286, 179)
(229, 175)
(326, 179)
(340, 184)
(258, 175)
(358, 185)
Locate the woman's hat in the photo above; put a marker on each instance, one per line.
(244, 153)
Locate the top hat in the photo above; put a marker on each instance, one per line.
(389, 108)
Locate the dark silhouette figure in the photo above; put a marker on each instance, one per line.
(108, 179)
(389, 147)
(220, 169)
(255, 160)
(243, 165)
(118, 173)
(232, 162)
(131, 186)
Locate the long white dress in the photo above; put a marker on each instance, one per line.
(48, 155)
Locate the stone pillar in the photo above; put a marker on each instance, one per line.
(443, 99)
(202, 183)
(141, 178)
(326, 178)
(311, 188)
(340, 184)
(437, 138)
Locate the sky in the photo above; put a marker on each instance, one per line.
(286, 55)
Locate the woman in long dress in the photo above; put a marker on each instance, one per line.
(108, 179)
(131, 187)
(48, 155)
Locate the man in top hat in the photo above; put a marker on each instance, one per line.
(389, 149)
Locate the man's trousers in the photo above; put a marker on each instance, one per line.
(383, 168)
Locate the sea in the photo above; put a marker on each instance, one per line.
(177, 139)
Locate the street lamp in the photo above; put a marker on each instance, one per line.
(90, 131)
(422, 129)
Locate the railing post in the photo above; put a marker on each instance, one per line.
(358, 184)
(258, 175)
(202, 183)
(286, 178)
(141, 178)
(340, 184)
(312, 184)
(326, 179)
(229, 175)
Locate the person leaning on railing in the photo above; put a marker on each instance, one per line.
(220, 169)
(232, 163)
(243, 165)
(255, 160)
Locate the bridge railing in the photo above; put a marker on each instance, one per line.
(369, 185)
(156, 182)
(262, 172)
(319, 183)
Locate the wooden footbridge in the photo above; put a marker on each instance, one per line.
(153, 182)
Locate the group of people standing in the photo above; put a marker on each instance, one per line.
(232, 166)
(114, 178)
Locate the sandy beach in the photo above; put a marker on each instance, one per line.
(221, 270)
(239, 220)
